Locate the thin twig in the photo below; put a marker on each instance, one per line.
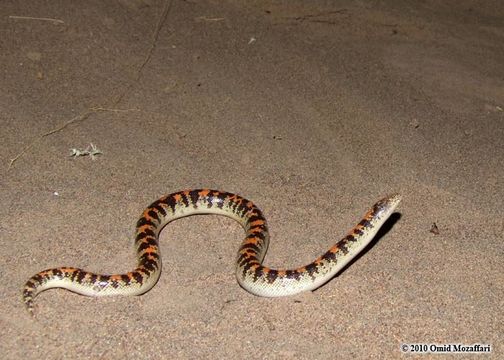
(204, 18)
(40, 137)
(100, 108)
(36, 18)
(148, 56)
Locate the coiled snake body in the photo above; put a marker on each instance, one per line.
(251, 274)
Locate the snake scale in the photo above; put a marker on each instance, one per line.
(251, 274)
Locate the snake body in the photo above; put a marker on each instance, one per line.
(251, 274)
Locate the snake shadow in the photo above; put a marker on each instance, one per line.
(386, 227)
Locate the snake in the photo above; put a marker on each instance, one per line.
(251, 274)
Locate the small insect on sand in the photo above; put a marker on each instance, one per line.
(91, 151)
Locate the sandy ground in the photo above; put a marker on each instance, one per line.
(314, 110)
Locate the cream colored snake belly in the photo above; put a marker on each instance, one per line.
(251, 274)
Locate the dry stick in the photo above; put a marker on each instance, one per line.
(162, 19)
(36, 18)
(87, 113)
(40, 137)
